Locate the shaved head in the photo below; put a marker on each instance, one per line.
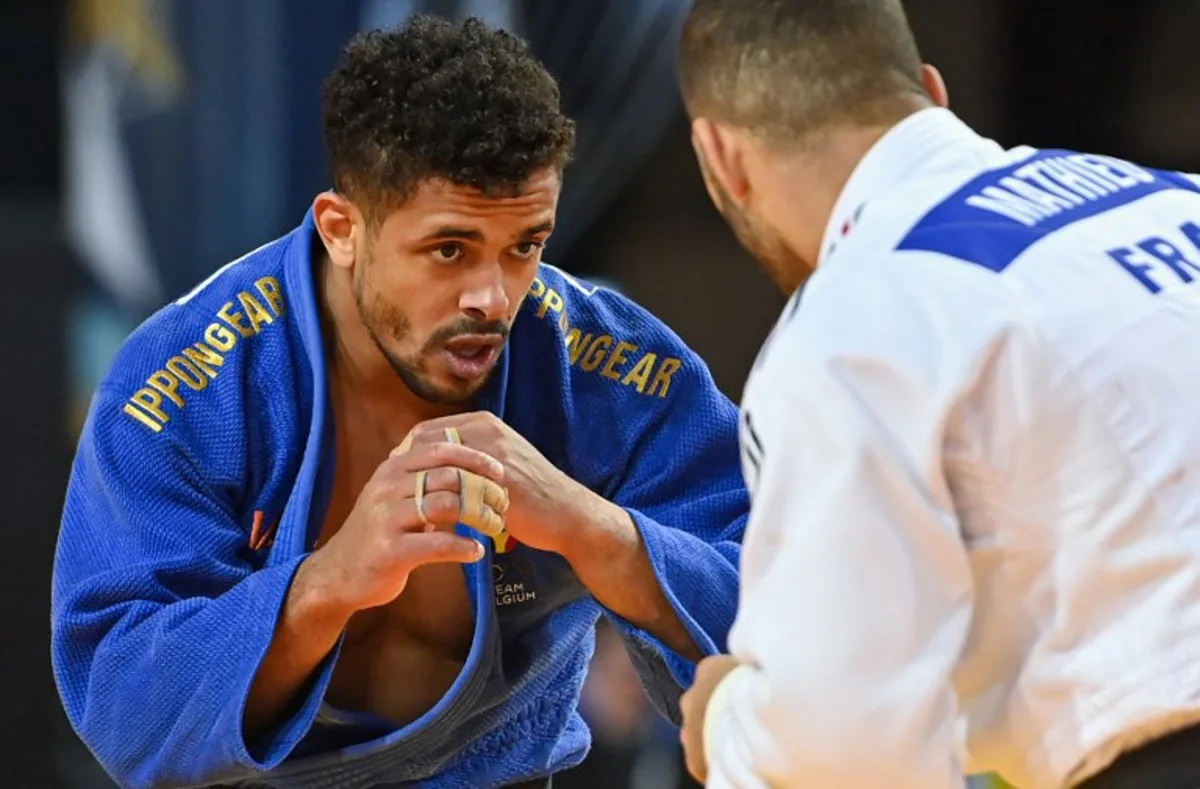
(784, 69)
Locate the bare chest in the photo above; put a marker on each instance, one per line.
(399, 659)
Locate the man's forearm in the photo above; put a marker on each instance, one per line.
(308, 629)
(608, 555)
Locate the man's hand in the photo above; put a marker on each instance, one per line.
(543, 502)
(549, 511)
(404, 518)
(694, 705)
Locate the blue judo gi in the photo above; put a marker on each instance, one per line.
(201, 481)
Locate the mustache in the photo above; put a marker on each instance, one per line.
(468, 326)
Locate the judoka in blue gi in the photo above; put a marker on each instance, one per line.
(347, 514)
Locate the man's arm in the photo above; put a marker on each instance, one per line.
(367, 562)
(611, 560)
(671, 584)
(672, 589)
(652, 436)
(309, 628)
(159, 621)
(856, 588)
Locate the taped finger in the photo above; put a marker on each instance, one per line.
(449, 434)
(495, 496)
(478, 497)
(483, 520)
(405, 445)
(419, 497)
(490, 524)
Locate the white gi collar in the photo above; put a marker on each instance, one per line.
(905, 149)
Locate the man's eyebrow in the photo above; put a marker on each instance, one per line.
(451, 232)
(448, 232)
(545, 227)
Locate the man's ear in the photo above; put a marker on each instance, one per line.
(336, 219)
(935, 86)
(719, 151)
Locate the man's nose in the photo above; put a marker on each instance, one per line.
(485, 299)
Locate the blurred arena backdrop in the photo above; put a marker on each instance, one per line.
(146, 142)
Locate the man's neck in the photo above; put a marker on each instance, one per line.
(804, 184)
(805, 187)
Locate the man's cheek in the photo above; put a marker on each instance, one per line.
(517, 296)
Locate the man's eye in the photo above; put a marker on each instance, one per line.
(525, 249)
(448, 252)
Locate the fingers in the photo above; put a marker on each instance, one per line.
(480, 429)
(433, 455)
(493, 495)
(483, 503)
(424, 434)
(476, 492)
(485, 521)
(439, 547)
(474, 488)
(443, 508)
(419, 497)
(442, 465)
(691, 735)
(477, 424)
(405, 446)
(421, 436)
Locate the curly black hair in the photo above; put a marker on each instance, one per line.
(436, 99)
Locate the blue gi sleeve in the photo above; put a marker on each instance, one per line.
(684, 489)
(159, 619)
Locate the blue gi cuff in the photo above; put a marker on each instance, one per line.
(673, 554)
(270, 751)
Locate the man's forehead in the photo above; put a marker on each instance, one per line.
(437, 205)
(538, 189)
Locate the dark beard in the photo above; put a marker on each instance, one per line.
(382, 319)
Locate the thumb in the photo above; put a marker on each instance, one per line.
(437, 547)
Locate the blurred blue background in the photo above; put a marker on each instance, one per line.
(147, 142)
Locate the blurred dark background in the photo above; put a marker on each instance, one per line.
(146, 142)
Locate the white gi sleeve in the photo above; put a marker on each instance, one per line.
(856, 590)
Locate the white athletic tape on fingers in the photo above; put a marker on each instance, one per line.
(452, 437)
(466, 482)
(405, 445)
(422, 476)
(477, 494)
(475, 509)
(450, 433)
(500, 503)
